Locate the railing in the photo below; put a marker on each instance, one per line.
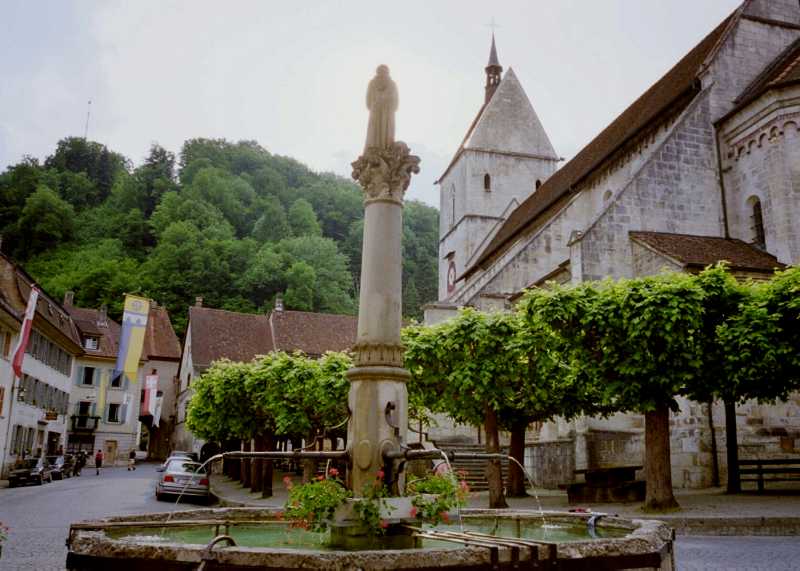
(84, 422)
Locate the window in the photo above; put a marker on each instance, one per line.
(606, 196)
(487, 182)
(6, 347)
(538, 184)
(113, 413)
(116, 380)
(88, 376)
(2, 399)
(759, 238)
(91, 343)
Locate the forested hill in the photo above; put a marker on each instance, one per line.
(229, 222)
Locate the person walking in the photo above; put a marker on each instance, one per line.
(80, 462)
(98, 461)
(132, 460)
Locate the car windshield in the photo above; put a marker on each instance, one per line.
(185, 466)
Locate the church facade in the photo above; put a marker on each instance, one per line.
(704, 166)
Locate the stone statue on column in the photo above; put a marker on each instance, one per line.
(378, 398)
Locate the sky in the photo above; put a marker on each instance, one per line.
(292, 75)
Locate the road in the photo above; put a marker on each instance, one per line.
(39, 518)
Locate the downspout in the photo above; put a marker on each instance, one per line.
(722, 185)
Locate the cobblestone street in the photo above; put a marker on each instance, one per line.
(39, 516)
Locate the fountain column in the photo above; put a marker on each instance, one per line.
(378, 398)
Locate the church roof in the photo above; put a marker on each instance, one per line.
(783, 71)
(700, 251)
(678, 85)
(507, 123)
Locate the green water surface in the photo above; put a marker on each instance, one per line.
(280, 534)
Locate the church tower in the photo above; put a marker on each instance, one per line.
(503, 159)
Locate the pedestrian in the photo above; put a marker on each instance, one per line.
(98, 461)
(132, 460)
(80, 462)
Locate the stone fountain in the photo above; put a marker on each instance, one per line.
(205, 539)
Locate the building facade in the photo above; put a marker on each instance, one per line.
(702, 167)
(35, 407)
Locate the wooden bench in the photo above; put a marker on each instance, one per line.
(613, 484)
(776, 470)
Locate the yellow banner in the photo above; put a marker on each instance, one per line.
(131, 343)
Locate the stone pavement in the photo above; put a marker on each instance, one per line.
(703, 512)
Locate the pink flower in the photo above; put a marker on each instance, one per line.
(463, 485)
(380, 474)
(445, 517)
(287, 481)
(333, 472)
(320, 478)
(413, 512)
(384, 524)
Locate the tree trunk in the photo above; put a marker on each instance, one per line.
(246, 464)
(657, 463)
(516, 477)
(257, 466)
(309, 465)
(732, 448)
(267, 475)
(234, 466)
(714, 451)
(494, 471)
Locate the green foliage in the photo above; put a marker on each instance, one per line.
(435, 495)
(303, 220)
(45, 221)
(372, 503)
(312, 505)
(237, 225)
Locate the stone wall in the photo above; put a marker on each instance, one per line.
(550, 464)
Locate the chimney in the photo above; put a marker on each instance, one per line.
(279, 302)
(102, 319)
(69, 297)
(198, 301)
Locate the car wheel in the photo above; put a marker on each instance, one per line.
(159, 497)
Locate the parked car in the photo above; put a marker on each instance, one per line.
(178, 455)
(182, 476)
(31, 471)
(60, 466)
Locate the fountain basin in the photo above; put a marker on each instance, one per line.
(148, 542)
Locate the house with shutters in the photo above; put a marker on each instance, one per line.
(34, 409)
(215, 334)
(105, 410)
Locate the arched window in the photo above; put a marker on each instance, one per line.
(538, 183)
(487, 182)
(759, 239)
(606, 196)
(452, 206)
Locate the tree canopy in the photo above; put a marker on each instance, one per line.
(227, 221)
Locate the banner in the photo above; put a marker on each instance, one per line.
(150, 389)
(131, 342)
(25, 332)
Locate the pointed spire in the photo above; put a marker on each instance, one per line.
(494, 72)
(493, 61)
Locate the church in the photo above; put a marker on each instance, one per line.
(704, 166)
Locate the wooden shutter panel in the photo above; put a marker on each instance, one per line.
(79, 375)
(123, 411)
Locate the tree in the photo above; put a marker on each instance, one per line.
(303, 219)
(301, 281)
(45, 221)
(636, 341)
(272, 225)
(155, 177)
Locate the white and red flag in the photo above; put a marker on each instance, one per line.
(25, 332)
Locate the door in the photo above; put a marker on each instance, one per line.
(110, 452)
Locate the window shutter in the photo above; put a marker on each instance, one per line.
(79, 375)
(123, 411)
(125, 383)
(94, 409)
(96, 377)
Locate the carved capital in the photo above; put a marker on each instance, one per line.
(378, 354)
(385, 173)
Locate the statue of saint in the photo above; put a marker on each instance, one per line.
(382, 104)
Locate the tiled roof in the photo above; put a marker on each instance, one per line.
(313, 333)
(677, 87)
(784, 70)
(701, 251)
(15, 288)
(218, 334)
(95, 323)
(160, 342)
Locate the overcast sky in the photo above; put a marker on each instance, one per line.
(292, 75)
